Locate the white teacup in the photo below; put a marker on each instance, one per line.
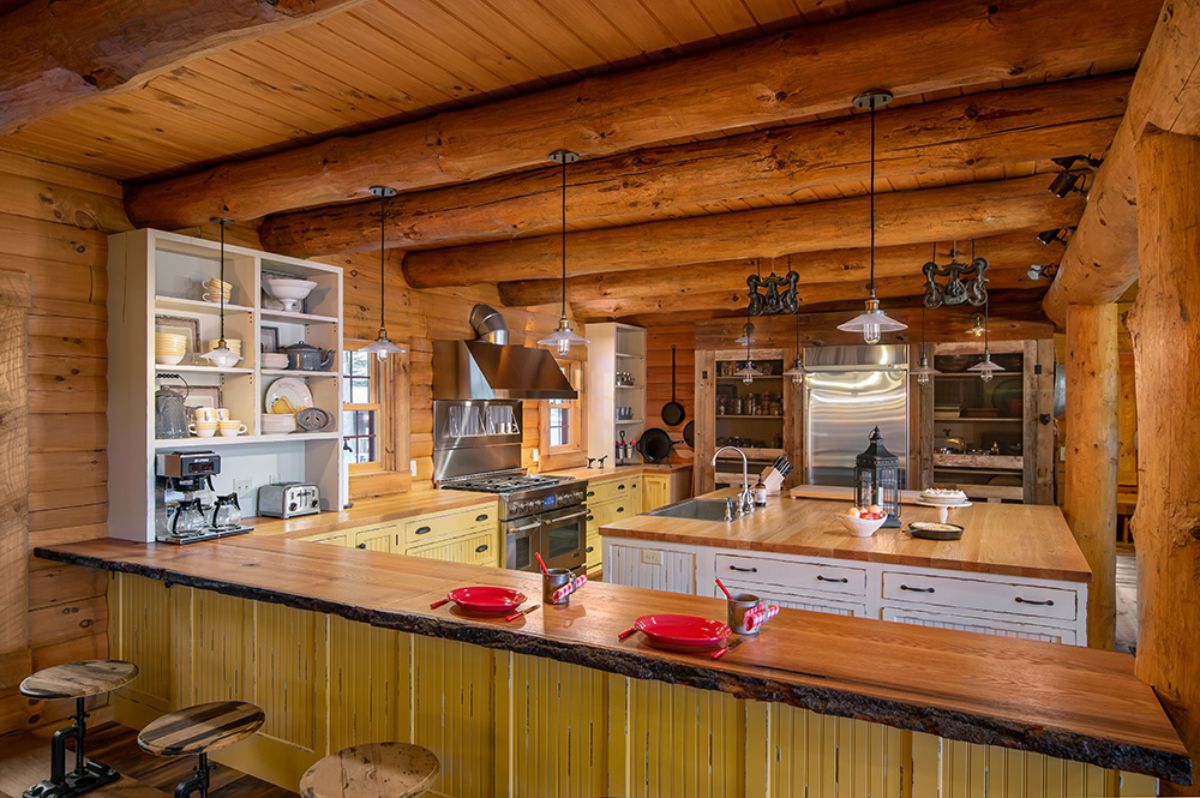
(231, 428)
(203, 429)
(207, 414)
(222, 414)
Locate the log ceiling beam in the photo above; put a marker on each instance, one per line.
(999, 128)
(1101, 259)
(961, 212)
(734, 301)
(57, 54)
(913, 49)
(845, 266)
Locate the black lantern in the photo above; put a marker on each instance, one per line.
(877, 479)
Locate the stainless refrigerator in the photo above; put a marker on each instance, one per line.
(850, 391)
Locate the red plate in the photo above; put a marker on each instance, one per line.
(484, 600)
(682, 632)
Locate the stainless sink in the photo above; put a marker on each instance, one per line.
(699, 509)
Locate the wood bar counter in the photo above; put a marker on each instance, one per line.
(1061, 701)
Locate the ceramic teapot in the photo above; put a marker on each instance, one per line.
(306, 357)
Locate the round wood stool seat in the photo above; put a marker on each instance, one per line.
(201, 728)
(79, 679)
(376, 770)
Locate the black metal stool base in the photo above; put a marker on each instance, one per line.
(78, 782)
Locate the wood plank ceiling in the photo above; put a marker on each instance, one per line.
(384, 63)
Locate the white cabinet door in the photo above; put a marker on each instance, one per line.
(658, 569)
(1003, 628)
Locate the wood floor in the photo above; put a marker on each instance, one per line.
(25, 759)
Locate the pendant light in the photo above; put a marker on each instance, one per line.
(222, 356)
(564, 337)
(797, 372)
(873, 322)
(986, 367)
(748, 371)
(382, 346)
(924, 371)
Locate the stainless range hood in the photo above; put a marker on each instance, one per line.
(491, 368)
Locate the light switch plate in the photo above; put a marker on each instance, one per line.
(651, 556)
(412, 467)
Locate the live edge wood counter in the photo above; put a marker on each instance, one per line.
(1072, 703)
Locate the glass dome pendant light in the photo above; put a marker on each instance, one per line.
(797, 372)
(382, 346)
(748, 371)
(986, 367)
(924, 371)
(564, 337)
(873, 322)
(222, 356)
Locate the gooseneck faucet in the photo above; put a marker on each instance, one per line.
(745, 499)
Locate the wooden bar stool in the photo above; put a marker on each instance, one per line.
(376, 770)
(77, 680)
(198, 730)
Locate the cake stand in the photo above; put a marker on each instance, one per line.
(943, 509)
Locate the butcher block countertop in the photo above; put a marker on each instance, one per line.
(1015, 539)
(620, 471)
(1064, 701)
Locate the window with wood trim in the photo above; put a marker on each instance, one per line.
(361, 411)
(374, 421)
(561, 423)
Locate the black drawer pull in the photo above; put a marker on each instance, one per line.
(743, 570)
(841, 581)
(481, 548)
(620, 509)
(620, 487)
(590, 549)
(362, 545)
(591, 493)
(482, 517)
(1046, 603)
(917, 589)
(423, 530)
(591, 517)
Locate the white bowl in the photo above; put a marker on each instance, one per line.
(860, 527)
(164, 359)
(223, 360)
(274, 360)
(275, 423)
(290, 291)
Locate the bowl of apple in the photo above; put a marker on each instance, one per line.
(862, 521)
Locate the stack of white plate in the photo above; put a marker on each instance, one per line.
(278, 423)
(169, 348)
(274, 360)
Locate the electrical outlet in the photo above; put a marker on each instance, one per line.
(535, 455)
(412, 467)
(651, 556)
(241, 487)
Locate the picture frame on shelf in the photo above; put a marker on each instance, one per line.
(187, 326)
(202, 396)
(269, 338)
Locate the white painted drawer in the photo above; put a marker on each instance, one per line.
(796, 601)
(1006, 597)
(804, 576)
(991, 626)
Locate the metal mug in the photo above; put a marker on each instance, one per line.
(554, 579)
(738, 607)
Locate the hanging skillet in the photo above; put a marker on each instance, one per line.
(655, 445)
(673, 412)
(689, 434)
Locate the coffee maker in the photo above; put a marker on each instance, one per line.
(183, 480)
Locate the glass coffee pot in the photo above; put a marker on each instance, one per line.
(227, 513)
(189, 518)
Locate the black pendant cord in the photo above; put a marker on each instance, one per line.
(564, 238)
(221, 287)
(382, 262)
(872, 191)
(987, 330)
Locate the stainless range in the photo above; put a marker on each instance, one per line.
(542, 514)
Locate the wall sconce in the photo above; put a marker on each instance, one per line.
(1059, 234)
(1037, 271)
(1065, 181)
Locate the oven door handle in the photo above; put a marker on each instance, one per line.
(525, 528)
(554, 519)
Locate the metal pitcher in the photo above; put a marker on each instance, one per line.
(306, 357)
(170, 416)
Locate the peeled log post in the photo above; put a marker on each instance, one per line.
(1165, 322)
(1093, 392)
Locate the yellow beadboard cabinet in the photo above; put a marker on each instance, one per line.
(505, 724)
(609, 500)
(468, 535)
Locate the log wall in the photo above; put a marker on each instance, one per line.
(53, 227)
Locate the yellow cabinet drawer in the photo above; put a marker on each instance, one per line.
(625, 489)
(609, 511)
(478, 549)
(331, 538)
(376, 538)
(431, 528)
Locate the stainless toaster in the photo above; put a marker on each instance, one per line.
(289, 499)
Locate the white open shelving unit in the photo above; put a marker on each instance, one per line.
(153, 273)
(614, 347)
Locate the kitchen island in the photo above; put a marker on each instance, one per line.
(1016, 572)
(341, 646)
